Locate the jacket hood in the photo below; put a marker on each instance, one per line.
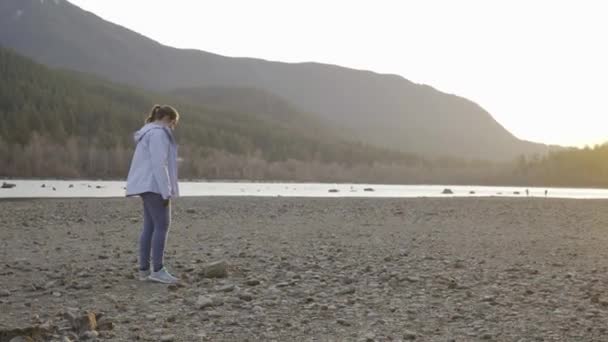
(137, 136)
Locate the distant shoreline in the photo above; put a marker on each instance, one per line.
(6, 179)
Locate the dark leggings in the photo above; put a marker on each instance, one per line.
(157, 219)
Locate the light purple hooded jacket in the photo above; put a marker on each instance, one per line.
(154, 164)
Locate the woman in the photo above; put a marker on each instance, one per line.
(153, 176)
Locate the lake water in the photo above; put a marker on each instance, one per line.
(84, 188)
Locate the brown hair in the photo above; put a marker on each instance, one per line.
(158, 112)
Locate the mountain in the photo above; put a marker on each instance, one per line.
(385, 110)
(83, 122)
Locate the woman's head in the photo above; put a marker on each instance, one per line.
(164, 114)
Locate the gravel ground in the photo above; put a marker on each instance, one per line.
(478, 269)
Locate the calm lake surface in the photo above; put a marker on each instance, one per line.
(84, 188)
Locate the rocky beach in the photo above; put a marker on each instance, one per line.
(295, 269)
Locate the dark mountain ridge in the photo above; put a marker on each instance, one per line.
(384, 110)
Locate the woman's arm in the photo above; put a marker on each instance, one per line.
(159, 152)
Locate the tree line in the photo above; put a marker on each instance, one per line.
(59, 123)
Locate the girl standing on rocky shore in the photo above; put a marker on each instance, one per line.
(153, 176)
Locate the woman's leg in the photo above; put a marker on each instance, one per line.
(161, 216)
(145, 239)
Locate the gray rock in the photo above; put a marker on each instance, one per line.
(167, 338)
(252, 282)
(89, 335)
(5, 293)
(82, 323)
(218, 269)
(409, 335)
(226, 288)
(343, 322)
(21, 339)
(214, 314)
(346, 291)
(204, 302)
(105, 324)
(246, 296)
(7, 185)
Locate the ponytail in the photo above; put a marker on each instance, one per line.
(159, 112)
(153, 114)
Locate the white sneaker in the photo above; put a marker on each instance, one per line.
(143, 275)
(162, 276)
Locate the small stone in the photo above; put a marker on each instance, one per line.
(409, 335)
(488, 298)
(91, 334)
(214, 314)
(226, 288)
(191, 211)
(218, 269)
(412, 279)
(252, 282)
(57, 294)
(83, 323)
(105, 324)
(204, 302)
(175, 287)
(346, 291)
(5, 293)
(21, 339)
(167, 338)
(343, 322)
(246, 296)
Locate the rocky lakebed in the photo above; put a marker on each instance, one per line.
(305, 269)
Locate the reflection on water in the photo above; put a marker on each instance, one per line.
(83, 188)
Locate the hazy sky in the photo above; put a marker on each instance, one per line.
(539, 67)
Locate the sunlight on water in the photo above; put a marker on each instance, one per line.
(84, 188)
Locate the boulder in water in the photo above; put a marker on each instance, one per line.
(447, 191)
(369, 189)
(333, 190)
(6, 185)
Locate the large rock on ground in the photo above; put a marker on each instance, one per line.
(218, 269)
